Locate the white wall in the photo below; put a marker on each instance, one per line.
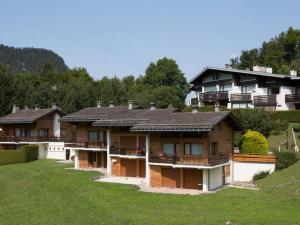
(244, 171)
(56, 125)
(42, 151)
(55, 150)
(281, 105)
(215, 178)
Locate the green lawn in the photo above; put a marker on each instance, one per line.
(44, 192)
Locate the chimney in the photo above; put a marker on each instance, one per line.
(111, 104)
(227, 66)
(54, 106)
(217, 107)
(293, 72)
(26, 107)
(152, 106)
(36, 106)
(194, 109)
(98, 103)
(15, 108)
(130, 104)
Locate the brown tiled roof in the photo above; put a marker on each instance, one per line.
(26, 116)
(151, 120)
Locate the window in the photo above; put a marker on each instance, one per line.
(63, 132)
(43, 133)
(93, 136)
(18, 132)
(248, 88)
(225, 87)
(29, 133)
(210, 88)
(170, 149)
(216, 76)
(273, 90)
(193, 149)
(213, 149)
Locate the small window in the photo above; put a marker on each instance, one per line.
(216, 76)
(273, 90)
(93, 136)
(214, 148)
(169, 149)
(193, 149)
(18, 132)
(29, 133)
(63, 132)
(43, 133)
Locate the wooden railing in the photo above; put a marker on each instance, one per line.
(188, 159)
(292, 98)
(243, 97)
(214, 96)
(254, 158)
(122, 150)
(30, 139)
(265, 100)
(75, 143)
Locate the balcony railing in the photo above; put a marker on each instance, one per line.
(265, 100)
(75, 143)
(214, 96)
(243, 97)
(197, 160)
(30, 139)
(132, 151)
(292, 98)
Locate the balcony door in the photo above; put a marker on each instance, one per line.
(128, 141)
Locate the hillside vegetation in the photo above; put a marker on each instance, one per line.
(30, 59)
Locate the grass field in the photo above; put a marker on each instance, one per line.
(44, 192)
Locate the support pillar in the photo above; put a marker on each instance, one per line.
(147, 159)
(76, 159)
(108, 141)
(205, 183)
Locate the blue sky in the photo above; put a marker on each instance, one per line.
(123, 37)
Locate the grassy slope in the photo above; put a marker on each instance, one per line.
(43, 192)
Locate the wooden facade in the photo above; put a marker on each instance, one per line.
(92, 159)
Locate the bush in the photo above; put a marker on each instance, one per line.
(261, 175)
(296, 127)
(291, 116)
(259, 120)
(27, 153)
(254, 142)
(285, 159)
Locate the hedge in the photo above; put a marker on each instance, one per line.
(292, 116)
(285, 159)
(27, 153)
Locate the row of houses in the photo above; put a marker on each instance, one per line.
(164, 147)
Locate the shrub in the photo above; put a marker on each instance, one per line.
(260, 120)
(285, 159)
(292, 116)
(296, 127)
(254, 142)
(260, 175)
(27, 153)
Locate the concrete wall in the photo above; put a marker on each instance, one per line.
(56, 125)
(55, 150)
(215, 178)
(244, 171)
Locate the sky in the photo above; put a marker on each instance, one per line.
(119, 38)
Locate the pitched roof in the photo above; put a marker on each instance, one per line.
(282, 76)
(26, 116)
(151, 120)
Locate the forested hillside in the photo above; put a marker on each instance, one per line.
(282, 53)
(30, 59)
(74, 89)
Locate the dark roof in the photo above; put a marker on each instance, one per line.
(151, 120)
(26, 116)
(282, 76)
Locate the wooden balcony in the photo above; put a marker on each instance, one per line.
(75, 143)
(243, 97)
(265, 100)
(192, 160)
(292, 98)
(214, 96)
(30, 139)
(130, 151)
